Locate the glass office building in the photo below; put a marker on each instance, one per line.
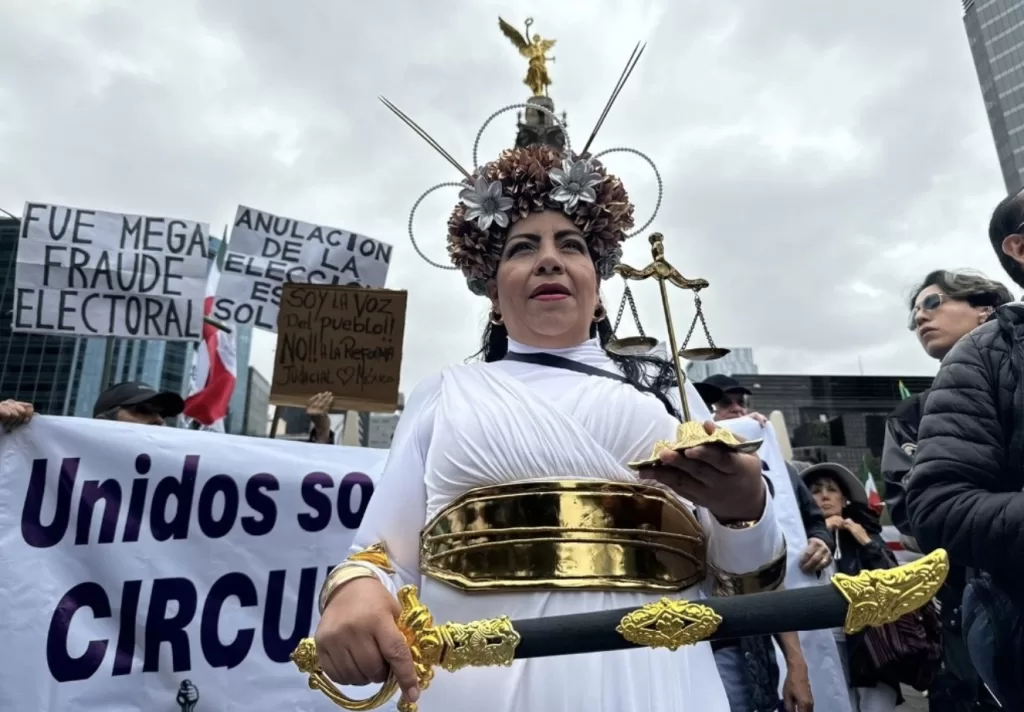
(35, 368)
(832, 418)
(995, 32)
(257, 405)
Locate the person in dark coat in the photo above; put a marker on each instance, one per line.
(859, 546)
(944, 308)
(964, 493)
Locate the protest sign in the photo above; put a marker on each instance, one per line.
(93, 273)
(149, 568)
(345, 340)
(267, 251)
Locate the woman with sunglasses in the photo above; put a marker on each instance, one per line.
(944, 308)
(949, 305)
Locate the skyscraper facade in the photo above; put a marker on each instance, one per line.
(995, 32)
(35, 368)
(257, 404)
(161, 364)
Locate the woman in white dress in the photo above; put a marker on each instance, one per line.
(507, 491)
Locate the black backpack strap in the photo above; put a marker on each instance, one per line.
(553, 361)
(546, 359)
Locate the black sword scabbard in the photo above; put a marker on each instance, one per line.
(740, 617)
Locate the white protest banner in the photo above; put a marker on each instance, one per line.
(167, 570)
(266, 250)
(93, 273)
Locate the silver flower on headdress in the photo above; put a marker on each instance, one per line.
(607, 263)
(574, 183)
(477, 285)
(485, 204)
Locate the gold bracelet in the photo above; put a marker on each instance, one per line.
(340, 576)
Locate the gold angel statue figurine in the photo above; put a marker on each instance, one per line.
(536, 50)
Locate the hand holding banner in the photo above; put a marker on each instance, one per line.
(138, 558)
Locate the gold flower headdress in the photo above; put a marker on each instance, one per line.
(527, 180)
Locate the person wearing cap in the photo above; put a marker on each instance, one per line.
(727, 398)
(136, 402)
(859, 546)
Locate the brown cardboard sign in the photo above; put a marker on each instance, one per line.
(346, 340)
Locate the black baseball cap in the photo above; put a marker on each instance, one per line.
(712, 388)
(130, 393)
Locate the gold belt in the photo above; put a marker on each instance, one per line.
(582, 534)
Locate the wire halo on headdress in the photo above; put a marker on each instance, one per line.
(485, 206)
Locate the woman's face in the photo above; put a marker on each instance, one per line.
(546, 286)
(829, 496)
(940, 321)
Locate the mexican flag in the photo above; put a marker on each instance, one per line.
(904, 392)
(874, 498)
(214, 368)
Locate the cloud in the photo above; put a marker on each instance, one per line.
(815, 163)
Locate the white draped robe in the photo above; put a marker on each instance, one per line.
(487, 424)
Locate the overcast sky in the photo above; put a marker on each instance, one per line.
(816, 161)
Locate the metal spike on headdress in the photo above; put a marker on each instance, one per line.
(424, 135)
(634, 58)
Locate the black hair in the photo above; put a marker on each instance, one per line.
(645, 373)
(966, 285)
(1006, 220)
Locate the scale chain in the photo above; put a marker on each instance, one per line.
(627, 295)
(703, 321)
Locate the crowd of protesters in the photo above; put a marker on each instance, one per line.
(953, 469)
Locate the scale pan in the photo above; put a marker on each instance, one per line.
(703, 353)
(632, 345)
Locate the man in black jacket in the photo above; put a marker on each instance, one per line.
(964, 493)
(957, 688)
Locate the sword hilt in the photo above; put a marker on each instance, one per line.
(872, 598)
(451, 646)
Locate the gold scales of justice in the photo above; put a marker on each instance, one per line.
(690, 433)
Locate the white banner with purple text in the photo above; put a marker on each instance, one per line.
(166, 570)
